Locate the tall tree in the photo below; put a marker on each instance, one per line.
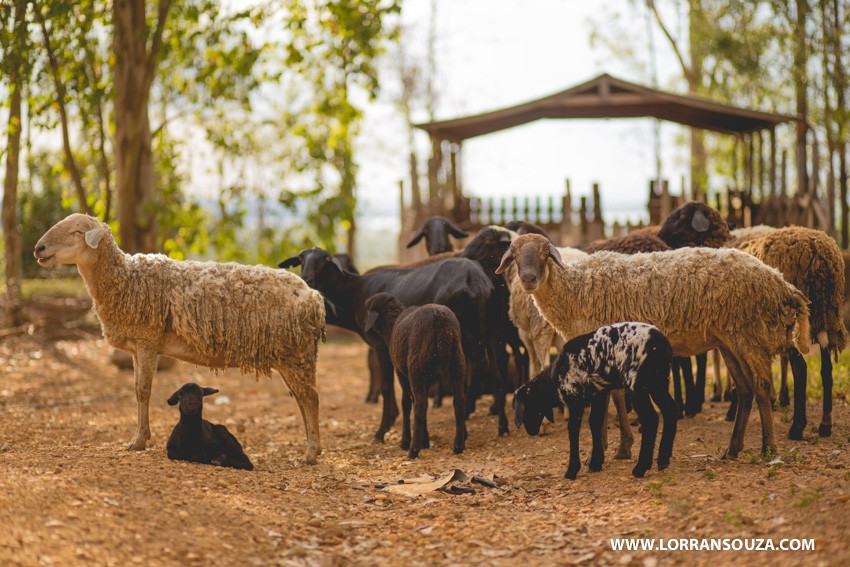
(136, 44)
(14, 58)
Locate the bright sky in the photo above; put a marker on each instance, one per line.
(493, 54)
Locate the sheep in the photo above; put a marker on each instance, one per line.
(633, 243)
(458, 283)
(538, 336)
(425, 347)
(522, 227)
(694, 224)
(741, 237)
(636, 356)
(689, 296)
(811, 261)
(196, 440)
(218, 315)
(436, 231)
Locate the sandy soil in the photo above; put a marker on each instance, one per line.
(70, 494)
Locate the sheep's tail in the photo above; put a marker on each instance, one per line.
(803, 337)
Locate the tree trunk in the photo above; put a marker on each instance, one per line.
(841, 114)
(801, 56)
(11, 230)
(55, 71)
(133, 72)
(694, 73)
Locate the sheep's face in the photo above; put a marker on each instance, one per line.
(436, 231)
(317, 266)
(190, 396)
(382, 310)
(70, 241)
(488, 246)
(531, 252)
(531, 405)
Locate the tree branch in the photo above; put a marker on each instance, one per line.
(685, 68)
(156, 42)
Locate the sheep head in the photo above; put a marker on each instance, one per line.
(72, 240)
(317, 266)
(190, 396)
(382, 310)
(694, 224)
(488, 247)
(436, 231)
(532, 253)
(533, 402)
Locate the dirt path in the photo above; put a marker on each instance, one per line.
(70, 494)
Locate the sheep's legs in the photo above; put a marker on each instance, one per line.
(649, 430)
(406, 404)
(798, 370)
(668, 410)
(691, 403)
(702, 363)
(744, 404)
(374, 393)
(458, 373)
(598, 409)
(144, 367)
(420, 417)
(825, 428)
(302, 384)
(784, 398)
(573, 428)
(624, 451)
(718, 381)
(390, 409)
(677, 388)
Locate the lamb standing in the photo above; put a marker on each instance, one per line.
(425, 346)
(689, 295)
(632, 355)
(217, 315)
(196, 440)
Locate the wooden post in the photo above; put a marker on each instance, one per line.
(450, 199)
(415, 195)
(582, 219)
(434, 165)
(773, 187)
(748, 168)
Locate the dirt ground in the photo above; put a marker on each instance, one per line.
(70, 494)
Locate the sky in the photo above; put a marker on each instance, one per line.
(494, 54)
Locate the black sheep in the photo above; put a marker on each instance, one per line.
(436, 231)
(632, 355)
(425, 346)
(196, 440)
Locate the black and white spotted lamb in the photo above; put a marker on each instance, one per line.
(197, 440)
(632, 355)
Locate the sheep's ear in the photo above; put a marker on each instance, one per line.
(547, 412)
(338, 263)
(174, 399)
(94, 236)
(506, 261)
(456, 232)
(330, 307)
(210, 391)
(371, 319)
(290, 262)
(700, 222)
(555, 255)
(519, 410)
(416, 238)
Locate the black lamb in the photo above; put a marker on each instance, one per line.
(197, 440)
(425, 346)
(636, 356)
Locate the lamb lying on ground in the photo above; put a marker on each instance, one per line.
(632, 355)
(196, 440)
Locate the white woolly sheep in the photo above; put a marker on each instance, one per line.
(629, 355)
(689, 296)
(217, 315)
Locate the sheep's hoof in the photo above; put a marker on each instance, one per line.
(716, 398)
(458, 449)
(412, 454)
(378, 438)
(730, 414)
(137, 444)
(623, 453)
(594, 467)
(638, 472)
(310, 459)
(729, 456)
(570, 475)
(796, 432)
(663, 463)
(784, 399)
(825, 430)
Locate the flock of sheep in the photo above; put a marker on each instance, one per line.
(630, 309)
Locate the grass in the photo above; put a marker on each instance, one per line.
(735, 518)
(53, 287)
(808, 498)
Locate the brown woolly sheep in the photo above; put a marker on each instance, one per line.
(218, 315)
(634, 243)
(812, 262)
(689, 296)
(694, 224)
(425, 346)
